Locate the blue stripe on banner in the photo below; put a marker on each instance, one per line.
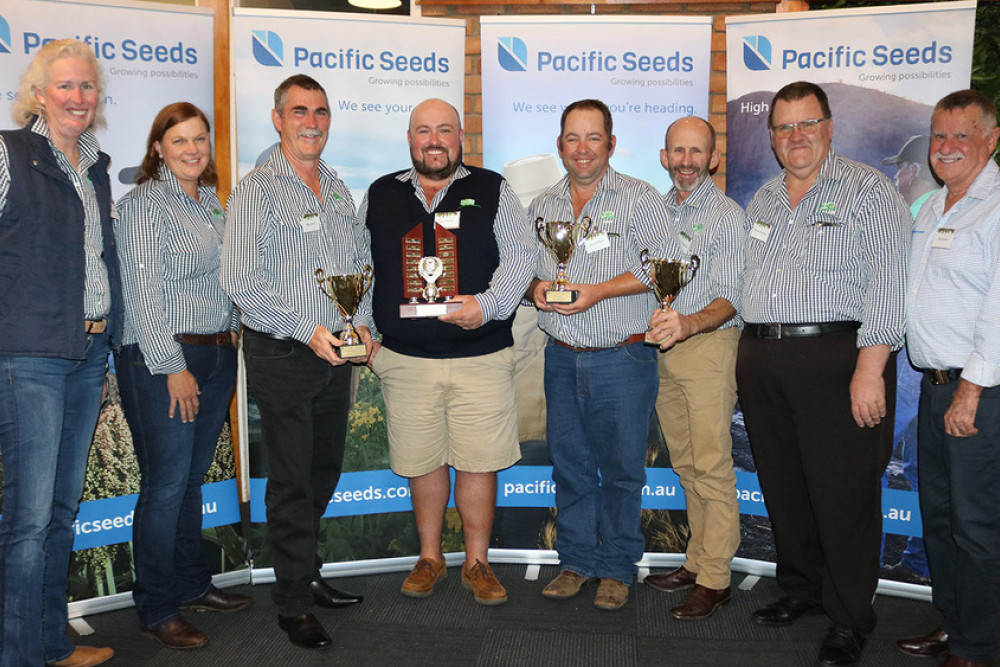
(381, 491)
(109, 520)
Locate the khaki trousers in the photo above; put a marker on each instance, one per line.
(695, 409)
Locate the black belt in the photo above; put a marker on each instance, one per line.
(634, 338)
(940, 377)
(776, 331)
(221, 339)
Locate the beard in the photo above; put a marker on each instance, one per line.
(441, 173)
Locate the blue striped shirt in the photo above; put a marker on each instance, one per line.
(632, 215)
(840, 255)
(97, 290)
(953, 300)
(711, 225)
(170, 246)
(514, 272)
(277, 234)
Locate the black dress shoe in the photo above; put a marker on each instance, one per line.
(326, 595)
(841, 647)
(305, 631)
(218, 600)
(930, 645)
(785, 611)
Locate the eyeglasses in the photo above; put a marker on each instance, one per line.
(805, 127)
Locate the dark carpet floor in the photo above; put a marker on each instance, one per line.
(450, 629)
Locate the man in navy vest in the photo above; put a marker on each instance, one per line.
(448, 381)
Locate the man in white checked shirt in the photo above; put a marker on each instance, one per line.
(822, 303)
(287, 218)
(698, 368)
(953, 335)
(600, 378)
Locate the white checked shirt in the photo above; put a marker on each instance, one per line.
(170, 246)
(840, 255)
(632, 215)
(277, 234)
(953, 299)
(711, 225)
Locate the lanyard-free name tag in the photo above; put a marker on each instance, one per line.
(448, 220)
(943, 238)
(760, 231)
(685, 242)
(595, 242)
(309, 222)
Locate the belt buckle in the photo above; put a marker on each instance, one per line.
(770, 331)
(939, 377)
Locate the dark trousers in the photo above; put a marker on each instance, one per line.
(819, 472)
(303, 403)
(960, 505)
(173, 456)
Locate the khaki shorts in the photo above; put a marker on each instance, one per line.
(460, 412)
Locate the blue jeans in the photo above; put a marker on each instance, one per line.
(170, 568)
(599, 405)
(48, 412)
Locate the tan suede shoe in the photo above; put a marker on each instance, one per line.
(425, 574)
(566, 585)
(483, 583)
(611, 595)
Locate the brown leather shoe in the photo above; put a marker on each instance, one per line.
(219, 600)
(425, 574)
(700, 603)
(85, 656)
(177, 633)
(483, 583)
(566, 585)
(955, 661)
(931, 645)
(611, 595)
(678, 580)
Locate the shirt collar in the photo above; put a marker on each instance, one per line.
(87, 143)
(694, 200)
(413, 177)
(279, 164)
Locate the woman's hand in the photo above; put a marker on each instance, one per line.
(183, 389)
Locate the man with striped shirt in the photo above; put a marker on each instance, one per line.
(822, 303)
(600, 378)
(287, 218)
(448, 382)
(698, 370)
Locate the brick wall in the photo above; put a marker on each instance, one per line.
(473, 64)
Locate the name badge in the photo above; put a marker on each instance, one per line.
(943, 238)
(685, 242)
(309, 222)
(448, 220)
(595, 242)
(760, 231)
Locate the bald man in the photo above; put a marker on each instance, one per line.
(699, 337)
(448, 381)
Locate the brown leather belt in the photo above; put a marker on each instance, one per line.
(940, 377)
(636, 338)
(775, 331)
(95, 326)
(221, 339)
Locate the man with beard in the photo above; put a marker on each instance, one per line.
(448, 381)
(600, 378)
(286, 218)
(698, 370)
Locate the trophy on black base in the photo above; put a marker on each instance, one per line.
(561, 238)
(668, 277)
(346, 291)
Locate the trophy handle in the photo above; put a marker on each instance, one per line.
(366, 281)
(539, 226)
(644, 258)
(321, 279)
(585, 225)
(693, 265)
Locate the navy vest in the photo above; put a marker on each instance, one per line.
(42, 253)
(393, 210)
